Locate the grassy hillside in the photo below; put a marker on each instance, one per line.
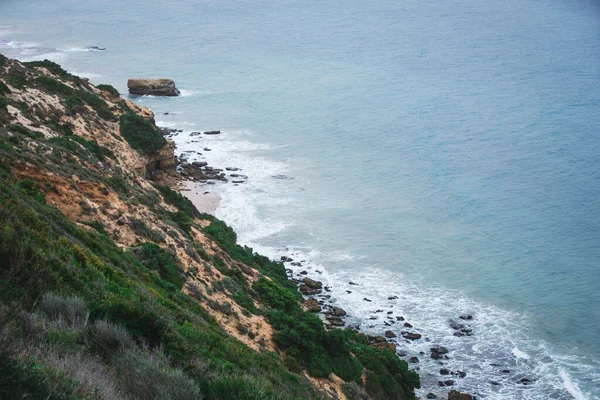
(115, 287)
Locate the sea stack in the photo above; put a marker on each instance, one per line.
(154, 87)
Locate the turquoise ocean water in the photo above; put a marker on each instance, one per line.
(447, 153)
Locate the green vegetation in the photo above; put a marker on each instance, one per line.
(181, 202)
(74, 98)
(44, 252)
(109, 89)
(157, 259)
(51, 66)
(17, 128)
(82, 148)
(4, 89)
(322, 352)
(226, 238)
(141, 134)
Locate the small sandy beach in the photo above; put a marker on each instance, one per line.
(206, 203)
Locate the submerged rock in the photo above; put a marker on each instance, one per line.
(154, 87)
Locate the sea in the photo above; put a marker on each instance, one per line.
(424, 159)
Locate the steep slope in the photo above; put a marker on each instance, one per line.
(113, 285)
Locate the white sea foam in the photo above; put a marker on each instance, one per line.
(571, 386)
(519, 354)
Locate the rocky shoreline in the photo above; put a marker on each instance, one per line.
(316, 295)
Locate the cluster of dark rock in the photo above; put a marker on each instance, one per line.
(200, 171)
(317, 301)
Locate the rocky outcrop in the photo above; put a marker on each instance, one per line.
(455, 395)
(163, 159)
(384, 346)
(311, 305)
(154, 87)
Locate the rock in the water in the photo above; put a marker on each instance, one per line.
(390, 334)
(449, 382)
(312, 283)
(413, 360)
(406, 324)
(466, 317)
(337, 321)
(376, 339)
(439, 350)
(431, 396)
(154, 87)
(312, 305)
(456, 395)
(338, 312)
(444, 371)
(385, 346)
(411, 336)
(212, 132)
(305, 290)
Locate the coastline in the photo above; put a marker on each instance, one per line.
(205, 202)
(200, 175)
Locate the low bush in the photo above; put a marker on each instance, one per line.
(141, 134)
(17, 128)
(4, 89)
(82, 148)
(70, 311)
(109, 89)
(157, 259)
(28, 379)
(51, 66)
(148, 375)
(108, 340)
(140, 228)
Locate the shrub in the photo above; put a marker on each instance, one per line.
(148, 376)
(108, 340)
(178, 200)
(17, 128)
(4, 89)
(140, 228)
(75, 97)
(81, 147)
(225, 236)
(51, 66)
(72, 311)
(27, 379)
(111, 90)
(141, 134)
(155, 258)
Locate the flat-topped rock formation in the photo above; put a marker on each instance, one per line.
(154, 87)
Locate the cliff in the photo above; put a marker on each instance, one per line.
(113, 286)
